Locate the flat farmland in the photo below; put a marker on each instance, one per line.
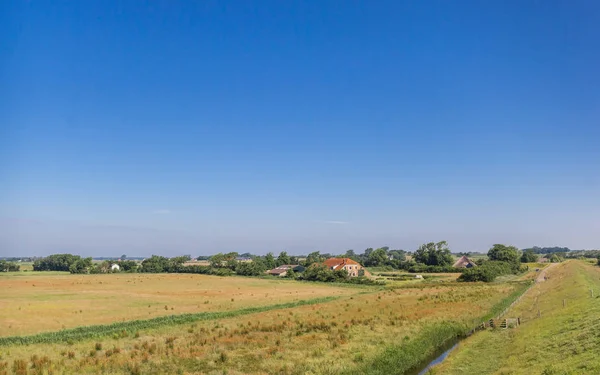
(38, 302)
(374, 329)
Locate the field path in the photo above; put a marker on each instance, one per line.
(542, 276)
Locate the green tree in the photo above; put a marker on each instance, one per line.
(377, 258)
(290, 274)
(488, 271)
(250, 268)
(434, 254)
(55, 262)
(283, 258)
(155, 264)
(270, 261)
(230, 260)
(81, 266)
(529, 257)
(128, 265)
(312, 258)
(217, 260)
(181, 259)
(399, 255)
(9, 266)
(503, 253)
(320, 272)
(555, 258)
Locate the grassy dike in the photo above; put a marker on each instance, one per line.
(562, 341)
(124, 329)
(401, 357)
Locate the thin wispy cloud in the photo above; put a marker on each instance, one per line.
(161, 212)
(335, 222)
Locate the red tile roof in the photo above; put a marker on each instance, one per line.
(336, 263)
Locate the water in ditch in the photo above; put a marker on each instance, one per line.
(435, 359)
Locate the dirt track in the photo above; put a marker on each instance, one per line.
(542, 276)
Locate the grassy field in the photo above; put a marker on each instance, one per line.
(564, 340)
(301, 328)
(33, 302)
(393, 277)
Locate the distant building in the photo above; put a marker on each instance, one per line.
(352, 267)
(244, 259)
(464, 262)
(283, 270)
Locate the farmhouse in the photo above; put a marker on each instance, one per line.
(464, 262)
(353, 268)
(282, 270)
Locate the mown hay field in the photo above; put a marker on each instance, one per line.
(33, 302)
(349, 334)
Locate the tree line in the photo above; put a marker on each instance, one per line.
(427, 258)
(548, 250)
(76, 264)
(9, 266)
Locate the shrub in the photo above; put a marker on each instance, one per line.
(81, 266)
(320, 272)
(555, 258)
(488, 271)
(250, 268)
(9, 266)
(503, 253)
(529, 257)
(222, 272)
(55, 262)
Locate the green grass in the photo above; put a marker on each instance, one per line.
(402, 357)
(506, 302)
(563, 341)
(130, 327)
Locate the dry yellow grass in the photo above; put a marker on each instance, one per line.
(317, 339)
(38, 302)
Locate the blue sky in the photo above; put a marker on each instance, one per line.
(196, 127)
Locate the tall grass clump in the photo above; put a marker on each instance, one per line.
(401, 357)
